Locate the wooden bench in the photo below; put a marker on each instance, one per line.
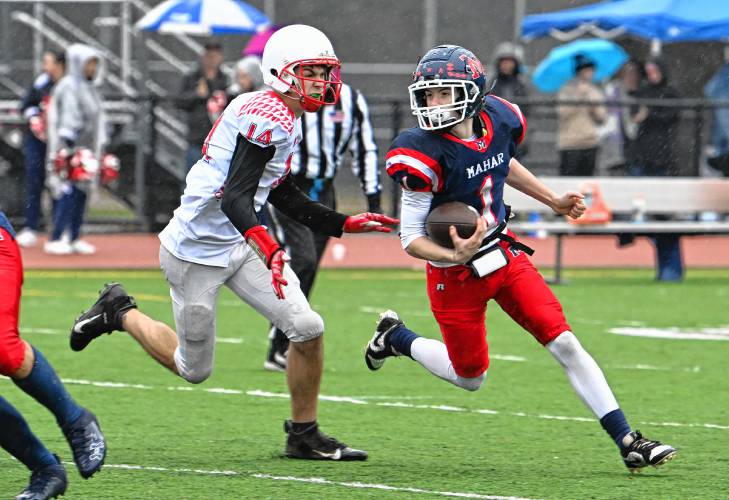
(685, 196)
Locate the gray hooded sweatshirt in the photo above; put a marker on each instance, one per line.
(75, 113)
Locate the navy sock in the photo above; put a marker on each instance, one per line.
(616, 425)
(45, 387)
(18, 440)
(402, 338)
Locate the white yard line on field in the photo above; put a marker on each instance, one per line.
(312, 480)
(690, 369)
(363, 401)
(710, 333)
(383, 487)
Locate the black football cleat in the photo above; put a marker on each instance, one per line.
(48, 482)
(103, 317)
(278, 350)
(87, 443)
(642, 452)
(379, 347)
(312, 444)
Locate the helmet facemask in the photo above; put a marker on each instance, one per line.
(293, 75)
(464, 94)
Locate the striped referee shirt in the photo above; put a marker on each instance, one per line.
(332, 131)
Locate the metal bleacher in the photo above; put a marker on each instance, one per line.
(137, 102)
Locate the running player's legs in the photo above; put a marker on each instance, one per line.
(293, 314)
(459, 307)
(194, 290)
(529, 301)
(525, 297)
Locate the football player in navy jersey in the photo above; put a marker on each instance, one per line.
(463, 150)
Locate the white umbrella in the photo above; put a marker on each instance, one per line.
(204, 17)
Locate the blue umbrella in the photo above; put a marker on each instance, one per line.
(559, 66)
(204, 17)
(665, 20)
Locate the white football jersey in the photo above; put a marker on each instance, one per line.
(199, 231)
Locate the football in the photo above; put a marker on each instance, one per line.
(454, 213)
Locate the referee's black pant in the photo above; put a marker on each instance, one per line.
(304, 246)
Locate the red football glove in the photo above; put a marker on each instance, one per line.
(272, 255)
(366, 222)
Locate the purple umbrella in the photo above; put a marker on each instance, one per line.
(255, 45)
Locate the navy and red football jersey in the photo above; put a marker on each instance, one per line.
(472, 172)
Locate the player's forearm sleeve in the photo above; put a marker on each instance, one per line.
(414, 209)
(290, 200)
(246, 168)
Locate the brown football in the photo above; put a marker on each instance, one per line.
(453, 213)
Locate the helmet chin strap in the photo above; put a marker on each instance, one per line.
(308, 105)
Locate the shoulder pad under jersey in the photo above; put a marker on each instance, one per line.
(264, 119)
(510, 113)
(412, 161)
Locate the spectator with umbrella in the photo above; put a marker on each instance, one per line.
(578, 137)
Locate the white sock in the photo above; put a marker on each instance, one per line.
(433, 355)
(584, 374)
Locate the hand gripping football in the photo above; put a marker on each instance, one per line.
(441, 218)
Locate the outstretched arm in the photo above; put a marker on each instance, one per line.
(570, 203)
(290, 200)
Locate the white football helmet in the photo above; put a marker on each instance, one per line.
(292, 48)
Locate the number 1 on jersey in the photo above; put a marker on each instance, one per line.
(487, 199)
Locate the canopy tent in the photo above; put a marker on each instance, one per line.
(664, 20)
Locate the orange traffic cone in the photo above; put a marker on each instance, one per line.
(597, 211)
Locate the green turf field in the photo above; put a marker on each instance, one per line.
(524, 434)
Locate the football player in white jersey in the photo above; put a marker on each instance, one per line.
(215, 238)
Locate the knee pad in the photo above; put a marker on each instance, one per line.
(191, 372)
(195, 354)
(11, 357)
(471, 384)
(307, 325)
(565, 347)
